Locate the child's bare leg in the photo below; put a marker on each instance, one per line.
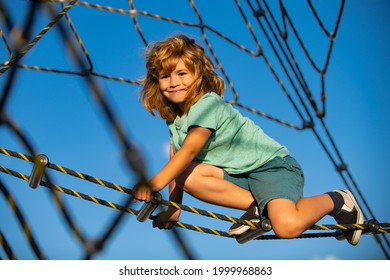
(205, 182)
(290, 219)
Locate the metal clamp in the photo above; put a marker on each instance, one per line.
(40, 162)
(148, 208)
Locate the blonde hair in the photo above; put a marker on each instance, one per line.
(162, 57)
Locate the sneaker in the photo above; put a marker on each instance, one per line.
(252, 214)
(349, 213)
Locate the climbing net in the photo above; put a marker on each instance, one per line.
(274, 37)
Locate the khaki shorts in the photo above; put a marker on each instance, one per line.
(278, 178)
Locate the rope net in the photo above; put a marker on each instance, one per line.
(98, 46)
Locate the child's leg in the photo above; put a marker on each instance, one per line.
(277, 187)
(290, 219)
(206, 182)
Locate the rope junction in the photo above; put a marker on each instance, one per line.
(257, 14)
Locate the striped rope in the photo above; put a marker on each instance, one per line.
(23, 223)
(30, 45)
(383, 228)
(119, 188)
(7, 248)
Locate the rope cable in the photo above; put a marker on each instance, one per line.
(283, 52)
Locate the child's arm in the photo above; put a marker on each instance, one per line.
(195, 140)
(175, 193)
(164, 219)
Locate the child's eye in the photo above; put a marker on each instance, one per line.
(163, 76)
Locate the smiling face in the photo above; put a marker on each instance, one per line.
(174, 85)
(178, 74)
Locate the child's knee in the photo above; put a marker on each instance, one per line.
(286, 227)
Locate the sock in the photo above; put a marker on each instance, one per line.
(338, 202)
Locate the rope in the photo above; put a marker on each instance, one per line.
(104, 183)
(383, 228)
(278, 38)
(101, 182)
(7, 248)
(23, 223)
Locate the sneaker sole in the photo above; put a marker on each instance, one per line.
(241, 229)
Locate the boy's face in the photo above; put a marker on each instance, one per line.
(174, 85)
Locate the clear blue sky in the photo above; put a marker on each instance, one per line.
(61, 117)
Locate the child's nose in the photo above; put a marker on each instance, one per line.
(174, 80)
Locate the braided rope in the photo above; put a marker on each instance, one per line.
(22, 221)
(7, 248)
(384, 228)
(119, 188)
(30, 45)
(113, 186)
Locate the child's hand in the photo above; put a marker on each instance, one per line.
(142, 192)
(164, 219)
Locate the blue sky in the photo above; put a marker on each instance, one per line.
(63, 120)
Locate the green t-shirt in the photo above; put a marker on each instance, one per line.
(237, 144)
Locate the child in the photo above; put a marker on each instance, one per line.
(223, 158)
